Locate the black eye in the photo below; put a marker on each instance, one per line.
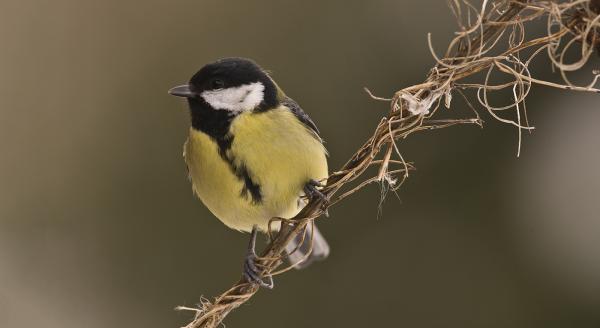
(217, 84)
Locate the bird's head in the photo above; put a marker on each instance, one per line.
(232, 85)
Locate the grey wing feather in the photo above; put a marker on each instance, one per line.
(301, 115)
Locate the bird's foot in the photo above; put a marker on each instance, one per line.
(311, 191)
(252, 273)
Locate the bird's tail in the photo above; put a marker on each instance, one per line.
(299, 249)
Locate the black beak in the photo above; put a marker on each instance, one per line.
(182, 91)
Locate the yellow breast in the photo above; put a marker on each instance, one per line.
(280, 155)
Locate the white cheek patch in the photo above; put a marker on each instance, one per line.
(237, 99)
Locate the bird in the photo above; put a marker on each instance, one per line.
(253, 154)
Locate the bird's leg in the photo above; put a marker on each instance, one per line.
(311, 191)
(252, 273)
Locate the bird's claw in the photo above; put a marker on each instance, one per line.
(253, 275)
(251, 271)
(311, 191)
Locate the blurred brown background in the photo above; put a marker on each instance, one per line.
(99, 227)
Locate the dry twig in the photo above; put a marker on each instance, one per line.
(492, 39)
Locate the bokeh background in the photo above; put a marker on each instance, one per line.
(99, 227)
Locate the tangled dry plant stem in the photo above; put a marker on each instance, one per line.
(492, 39)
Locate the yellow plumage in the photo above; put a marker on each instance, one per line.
(280, 154)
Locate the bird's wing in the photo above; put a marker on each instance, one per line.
(301, 115)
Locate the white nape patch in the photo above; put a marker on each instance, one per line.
(236, 99)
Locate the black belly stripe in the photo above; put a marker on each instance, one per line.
(224, 144)
(250, 189)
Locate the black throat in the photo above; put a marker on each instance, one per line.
(215, 123)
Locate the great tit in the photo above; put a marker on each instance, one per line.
(252, 155)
